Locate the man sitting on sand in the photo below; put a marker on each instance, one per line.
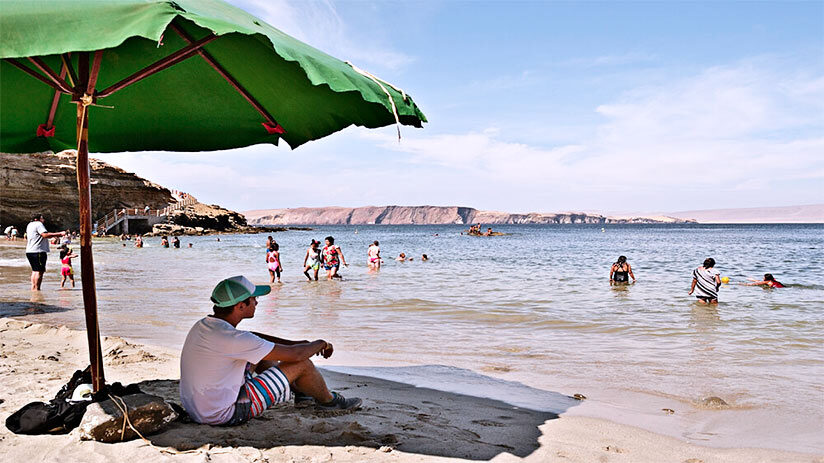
(229, 376)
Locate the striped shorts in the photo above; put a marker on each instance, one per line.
(259, 392)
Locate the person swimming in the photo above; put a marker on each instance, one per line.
(401, 257)
(768, 281)
(424, 257)
(621, 271)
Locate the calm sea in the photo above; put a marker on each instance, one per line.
(523, 317)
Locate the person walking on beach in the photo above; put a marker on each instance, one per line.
(229, 376)
(373, 256)
(37, 249)
(66, 270)
(621, 271)
(332, 258)
(273, 261)
(705, 282)
(312, 260)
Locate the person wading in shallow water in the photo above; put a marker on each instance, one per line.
(37, 249)
(621, 271)
(229, 376)
(705, 282)
(332, 258)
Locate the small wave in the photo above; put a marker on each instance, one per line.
(14, 262)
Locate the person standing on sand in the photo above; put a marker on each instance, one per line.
(332, 258)
(312, 260)
(37, 249)
(373, 256)
(229, 376)
(621, 271)
(705, 282)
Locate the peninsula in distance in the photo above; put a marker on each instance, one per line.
(439, 215)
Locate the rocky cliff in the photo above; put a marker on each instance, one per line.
(46, 183)
(405, 215)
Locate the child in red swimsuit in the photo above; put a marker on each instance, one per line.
(66, 271)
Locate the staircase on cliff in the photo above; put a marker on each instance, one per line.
(141, 219)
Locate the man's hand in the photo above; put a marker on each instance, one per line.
(327, 350)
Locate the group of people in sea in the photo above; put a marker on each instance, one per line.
(475, 230)
(330, 258)
(706, 279)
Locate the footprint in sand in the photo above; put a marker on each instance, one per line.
(612, 448)
(489, 423)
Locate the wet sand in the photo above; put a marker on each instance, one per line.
(398, 422)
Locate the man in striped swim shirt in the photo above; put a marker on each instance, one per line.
(705, 282)
(229, 376)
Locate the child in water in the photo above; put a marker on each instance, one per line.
(66, 256)
(273, 260)
(769, 281)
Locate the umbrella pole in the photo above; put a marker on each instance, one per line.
(86, 260)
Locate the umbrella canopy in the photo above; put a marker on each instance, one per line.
(183, 75)
(190, 106)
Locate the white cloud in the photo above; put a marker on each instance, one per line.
(715, 131)
(728, 136)
(319, 24)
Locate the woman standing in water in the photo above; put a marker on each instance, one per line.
(273, 261)
(705, 282)
(373, 256)
(621, 271)
(312, 260)
(332, 258)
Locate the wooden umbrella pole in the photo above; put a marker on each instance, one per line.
(85, 202)
(86, 259)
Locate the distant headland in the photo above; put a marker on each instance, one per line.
(432, 215)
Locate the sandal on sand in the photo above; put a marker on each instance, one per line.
(339, 402)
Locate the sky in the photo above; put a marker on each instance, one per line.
(542, 106)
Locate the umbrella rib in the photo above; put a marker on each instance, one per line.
(232, 81)
(34, 74)
(66, 57)
(158, 66)
(55, 101)
(59, 81)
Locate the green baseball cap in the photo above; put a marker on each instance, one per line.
(236, 289)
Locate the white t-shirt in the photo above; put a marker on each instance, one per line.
(36, 242)
(212, 367)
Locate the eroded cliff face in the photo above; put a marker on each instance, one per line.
(430, 215)
(47, 183)
(390, 215)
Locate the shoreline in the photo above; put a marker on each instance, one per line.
(399, 421)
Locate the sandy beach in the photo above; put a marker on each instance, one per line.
(398, 422)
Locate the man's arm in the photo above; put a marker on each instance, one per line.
(299, 352)
(277, 340)
(52, 235)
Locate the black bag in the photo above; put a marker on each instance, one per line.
(60, 416)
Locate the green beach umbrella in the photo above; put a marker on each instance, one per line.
(183, 75)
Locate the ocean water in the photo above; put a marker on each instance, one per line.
(528, 317)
